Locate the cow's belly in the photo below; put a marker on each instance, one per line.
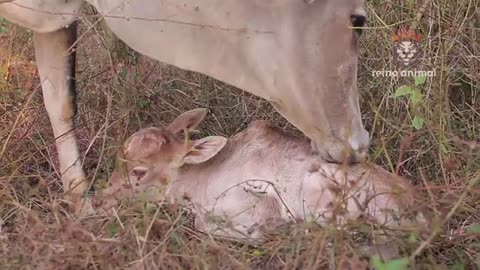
(41, 15)
(179, 35)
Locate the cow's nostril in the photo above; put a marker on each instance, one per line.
(359, 142)
(361, 154)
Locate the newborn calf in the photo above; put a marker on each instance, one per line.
(237, 186)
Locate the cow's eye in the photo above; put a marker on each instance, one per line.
(358, 21)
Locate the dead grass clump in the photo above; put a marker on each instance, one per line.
(121, 91)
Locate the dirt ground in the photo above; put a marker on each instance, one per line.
(120, 91)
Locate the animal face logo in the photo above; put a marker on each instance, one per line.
(406, 47)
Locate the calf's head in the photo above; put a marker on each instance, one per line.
(152, 158)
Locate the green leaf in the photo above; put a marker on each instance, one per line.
(419, 80)
(458, 266)
(143, 103)
(102, 183)
(150, 208)
(177, 239)
(3, 22)
(416, 96)
(443, 148)
(257, 253)
(403, 90)
(397, 264)
(113, 229)
(417, 122)
(122, 73)
(377, 263)
(413, 238)
(474, 228)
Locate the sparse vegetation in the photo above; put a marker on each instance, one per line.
(416, 100)
(121, 91)
(3, 22)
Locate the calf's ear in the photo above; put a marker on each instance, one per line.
(187, 121)
(204, 149)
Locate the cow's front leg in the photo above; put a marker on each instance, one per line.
(56, 66)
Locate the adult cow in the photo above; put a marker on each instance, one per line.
(301, 55)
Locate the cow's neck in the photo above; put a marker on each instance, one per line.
(239, 45)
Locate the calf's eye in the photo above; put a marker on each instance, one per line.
(139, 173)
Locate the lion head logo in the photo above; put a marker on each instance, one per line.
(406, 47)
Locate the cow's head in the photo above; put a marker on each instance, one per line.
(314, 62)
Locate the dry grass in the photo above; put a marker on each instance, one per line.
(121, 91)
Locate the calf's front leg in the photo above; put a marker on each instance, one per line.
(56, 67)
